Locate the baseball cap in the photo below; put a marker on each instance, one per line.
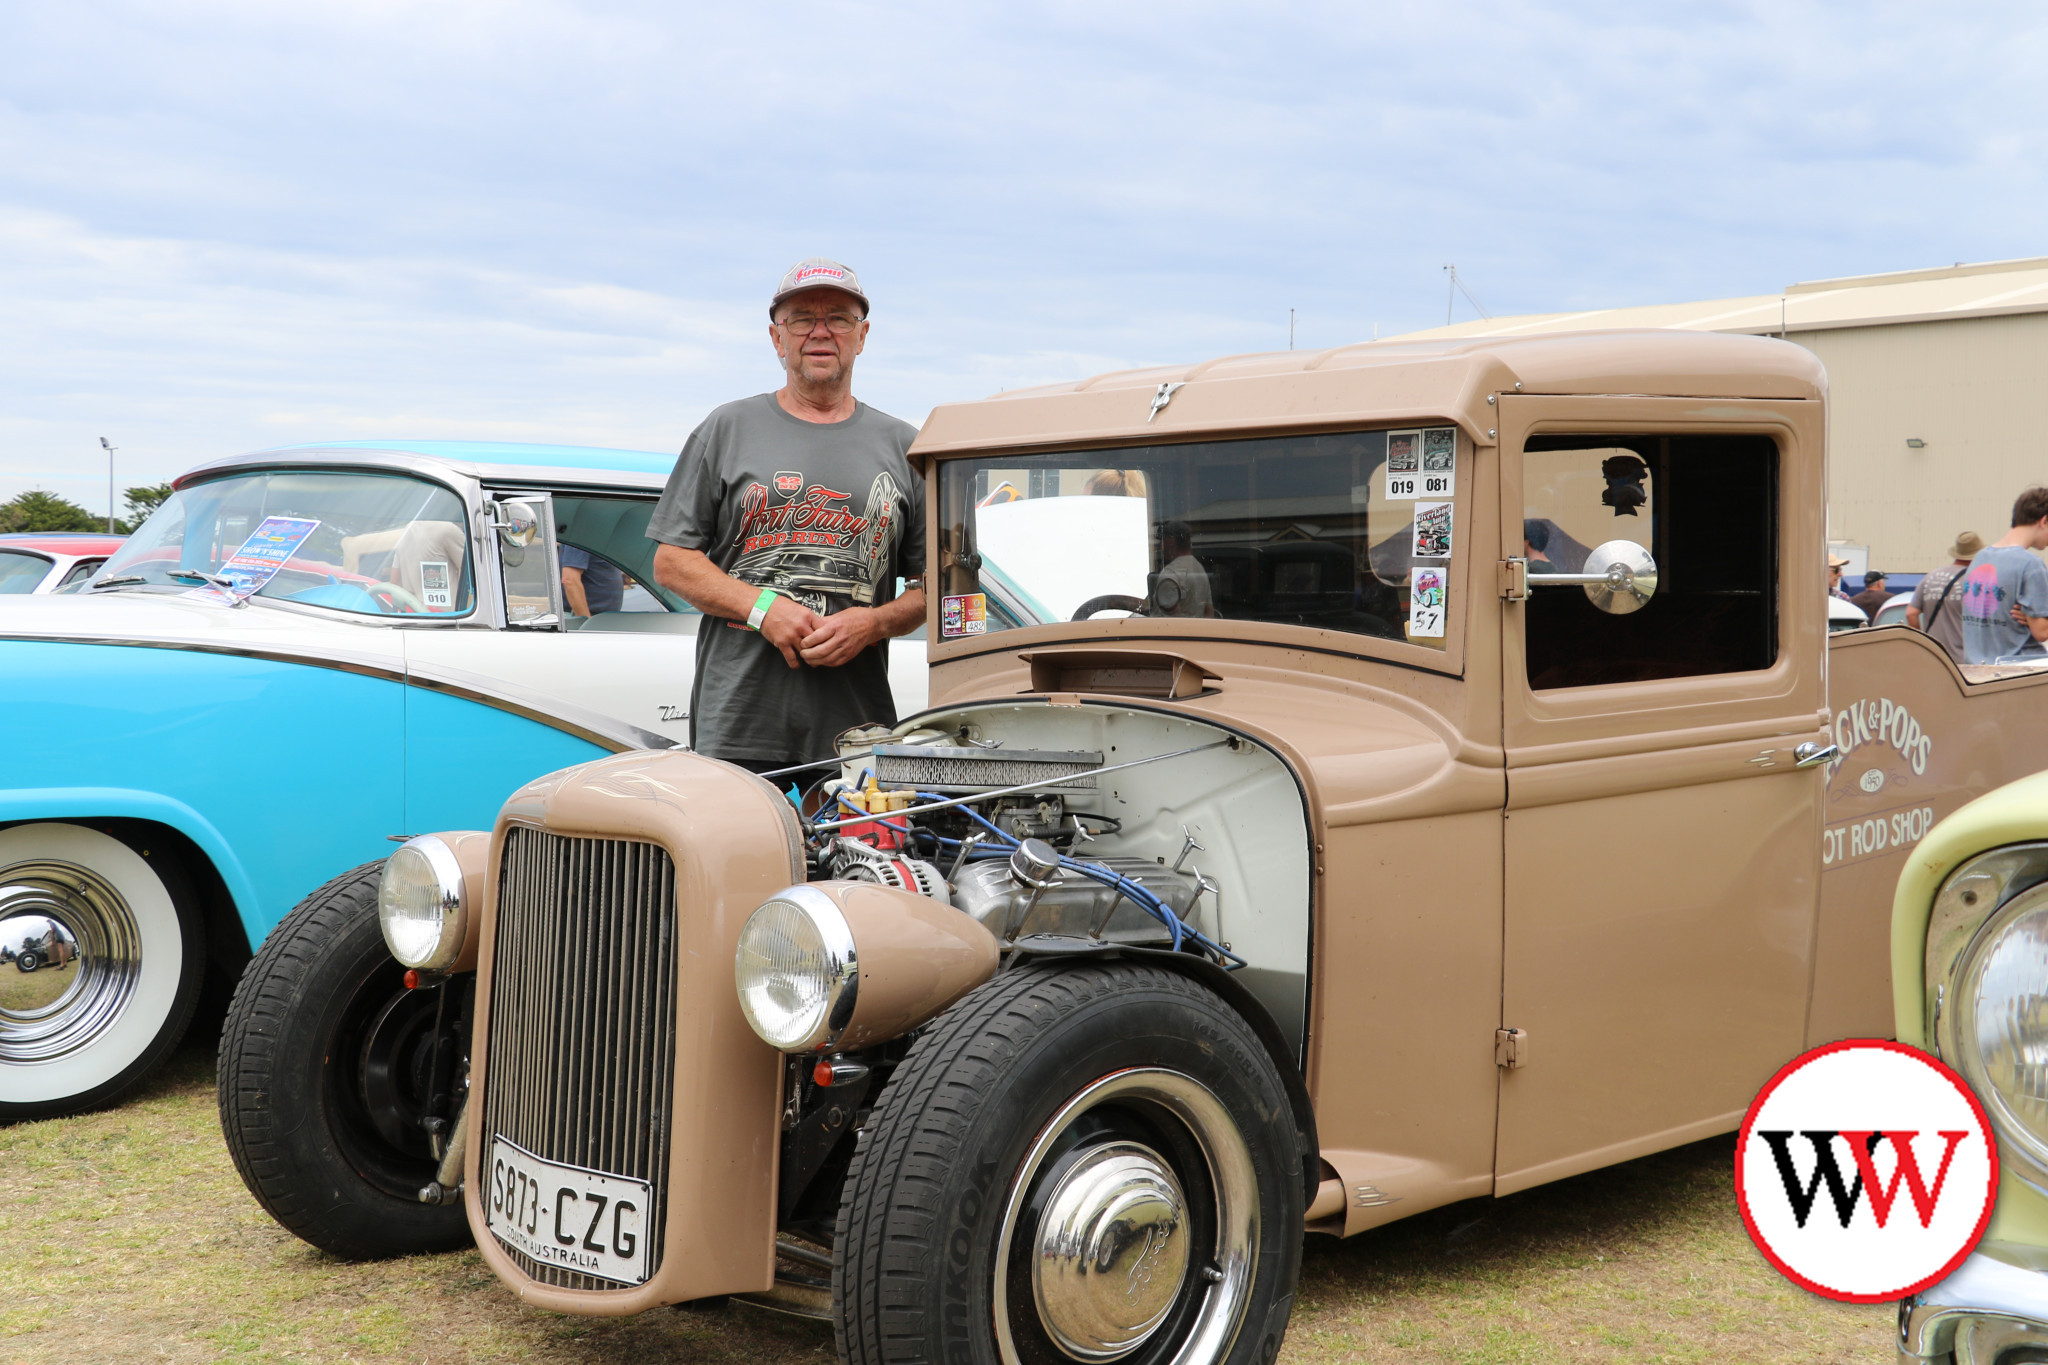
(1966, 546)
(816, 272)
(1835, 561)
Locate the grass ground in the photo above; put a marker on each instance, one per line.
(128, 1237)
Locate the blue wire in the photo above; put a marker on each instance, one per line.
(1135, 892)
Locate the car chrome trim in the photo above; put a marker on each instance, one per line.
(1228, 1266)
(1996, 1301)
(604, 731)
(71, 933)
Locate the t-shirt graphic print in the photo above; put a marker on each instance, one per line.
(804, 539)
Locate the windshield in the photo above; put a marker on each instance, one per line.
(1350, 531)
(378, 544)
(20, 572)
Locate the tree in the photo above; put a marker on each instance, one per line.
(141, 502)
(36, 510)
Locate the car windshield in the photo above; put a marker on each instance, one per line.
(1345, 531)
(21, 572)
(377, 544)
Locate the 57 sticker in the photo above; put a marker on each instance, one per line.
(1426, 593)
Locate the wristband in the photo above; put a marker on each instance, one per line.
(761, 605)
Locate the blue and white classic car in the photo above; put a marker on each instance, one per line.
(302, 653)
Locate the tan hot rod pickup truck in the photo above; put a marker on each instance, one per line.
(1355, 782)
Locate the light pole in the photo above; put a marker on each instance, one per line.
(110, 483)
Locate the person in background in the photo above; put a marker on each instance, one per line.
(1933, 608)
(2005, 590)
(1874, 594)
(590, 584)
(1183, 579)
(1835, 566)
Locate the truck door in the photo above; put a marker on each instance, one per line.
(1661, 840)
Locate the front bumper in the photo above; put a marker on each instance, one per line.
(1997, 1302)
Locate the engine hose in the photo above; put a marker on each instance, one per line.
(1136, 893)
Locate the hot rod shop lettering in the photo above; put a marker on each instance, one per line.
(1882, 720)
(1874, 834)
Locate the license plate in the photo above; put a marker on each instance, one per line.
(581, 1220)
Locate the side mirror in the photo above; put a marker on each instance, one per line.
(517, 523)
(1620, 577)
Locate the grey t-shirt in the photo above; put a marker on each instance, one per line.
(829, 514)
(1999, 577)
(1939, 600)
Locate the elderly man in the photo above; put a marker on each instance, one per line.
(787, 522)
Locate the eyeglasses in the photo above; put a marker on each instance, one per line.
(803, 324)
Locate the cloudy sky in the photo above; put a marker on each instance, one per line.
(226, 226)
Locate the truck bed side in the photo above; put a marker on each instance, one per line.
(1919, 738)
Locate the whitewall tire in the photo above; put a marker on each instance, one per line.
(103, 969)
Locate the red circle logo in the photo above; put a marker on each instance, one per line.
(1866, 1171)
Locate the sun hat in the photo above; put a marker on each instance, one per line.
(1966, 546)
(816, 272)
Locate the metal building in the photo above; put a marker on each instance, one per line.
(1937, 420)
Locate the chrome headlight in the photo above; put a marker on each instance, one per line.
(419, 903)
(2000, 1024)
(796, 970)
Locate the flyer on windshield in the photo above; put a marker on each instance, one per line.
(265, 552)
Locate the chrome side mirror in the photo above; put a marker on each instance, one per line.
(516, 522)
(1620, 577)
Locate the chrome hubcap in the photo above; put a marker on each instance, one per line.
(1112, 1251)
(1132, 1250)
(70, 959)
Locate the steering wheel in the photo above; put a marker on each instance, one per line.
(390, 594)
(1113, 601)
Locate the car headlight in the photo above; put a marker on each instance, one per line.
(796, 970)
(1997, 1033)
(419, 903)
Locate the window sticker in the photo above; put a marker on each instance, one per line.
(966, 614)
(266, 550)
(1439, 461)
(1404, 465)
(1426, 603)
(435, 592)
(1432, 530)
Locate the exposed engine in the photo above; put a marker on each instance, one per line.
(1008, 836)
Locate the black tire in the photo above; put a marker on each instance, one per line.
(979, 1122)
(333, 1165)
(93, 1020)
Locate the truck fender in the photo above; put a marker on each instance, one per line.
(1048, 950)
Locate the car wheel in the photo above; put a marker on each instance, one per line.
(111, 968)
(327, 1062)
(1074, 1163)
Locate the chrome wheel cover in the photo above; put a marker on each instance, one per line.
(1114, 1253)
(86, 948)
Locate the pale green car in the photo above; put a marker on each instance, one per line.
(1970, 979)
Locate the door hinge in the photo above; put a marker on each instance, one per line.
(1514, 579)
(1511, 1047)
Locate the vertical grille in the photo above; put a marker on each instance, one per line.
(583, 1009)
